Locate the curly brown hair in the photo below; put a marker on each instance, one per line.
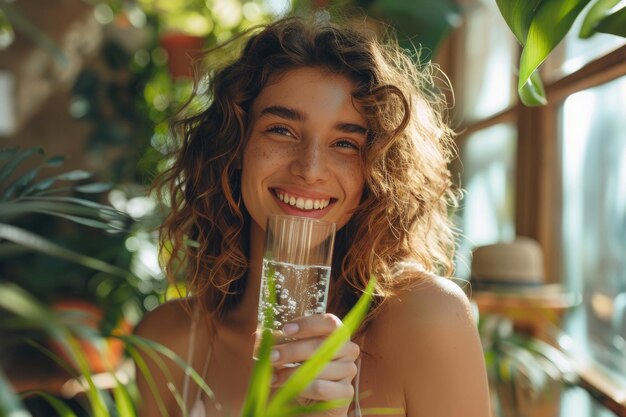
(403, 214)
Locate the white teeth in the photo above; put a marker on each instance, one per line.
(302, 203)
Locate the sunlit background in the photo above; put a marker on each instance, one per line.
(96, 81)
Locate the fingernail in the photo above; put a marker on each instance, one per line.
(274, 355)
(291, 328)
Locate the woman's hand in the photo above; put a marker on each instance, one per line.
(335, 381)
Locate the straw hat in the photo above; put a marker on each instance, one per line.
(508, 264)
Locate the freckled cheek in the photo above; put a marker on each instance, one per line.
(259, 159)
(354, 180)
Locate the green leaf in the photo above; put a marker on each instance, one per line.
(94, 395)
(532, 93)
(258, 388)
(22, 304)
(309, 370)
(614, 23)
(74, 175)
(96, 187)
(549, 26)
(596, 13)
(10, 404)
(61, 408)
(168, 377)
(7, 153)
(143, 368)
(17, 209)
(54, 357)
(518, 14)
(28, 177)
(38, 243)
(123, 402)
(260, 382)
(17, 301)
(102, 208)
(11, 250)
(15, 161)
(150, 346)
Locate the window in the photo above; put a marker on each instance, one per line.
(555, 173)
(485, 88)
(593, 238)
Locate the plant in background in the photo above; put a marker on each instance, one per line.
(523, 370)
(119, 402)
(420, 25)
(539, 25)
(42, 218)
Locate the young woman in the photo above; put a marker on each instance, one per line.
(320, 120)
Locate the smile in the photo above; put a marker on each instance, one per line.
(302, 203)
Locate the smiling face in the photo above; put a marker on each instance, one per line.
(303, 155)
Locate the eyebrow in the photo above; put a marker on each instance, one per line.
(295, 115)
(284, 112)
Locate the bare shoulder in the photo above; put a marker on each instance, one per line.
(432, 300)
(168, 324)
(430, 336)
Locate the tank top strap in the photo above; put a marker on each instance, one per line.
(190, 351)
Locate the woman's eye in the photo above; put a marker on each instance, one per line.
(281, 130)
(348, 144)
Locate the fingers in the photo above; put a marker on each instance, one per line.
(311, 326)
(307, 334)
(300, 350)
(323, 390)
(334, 371)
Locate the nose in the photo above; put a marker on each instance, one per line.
(310, 163)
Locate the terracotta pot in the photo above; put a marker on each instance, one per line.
(181, 50)
(102, 354)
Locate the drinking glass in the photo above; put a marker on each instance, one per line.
(296, 271)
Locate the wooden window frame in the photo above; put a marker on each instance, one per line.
(538, 202)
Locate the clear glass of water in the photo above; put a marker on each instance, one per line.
(296, 271)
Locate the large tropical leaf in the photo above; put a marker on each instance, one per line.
(549, 26)
(518, 14)
(596, 13)
(539, 25)
(614, 23)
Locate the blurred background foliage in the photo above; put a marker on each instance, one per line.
(86, 241)
(144, 75)
(69, 236)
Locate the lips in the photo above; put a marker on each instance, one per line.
(302, 202)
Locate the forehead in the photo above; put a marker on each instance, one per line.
(309, 87)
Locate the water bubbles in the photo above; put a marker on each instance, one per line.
(300, 291)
